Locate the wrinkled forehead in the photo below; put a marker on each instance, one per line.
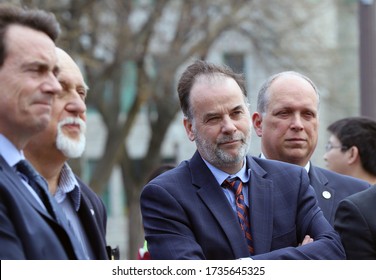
(294, 88)
(69, 68)
(65, 62)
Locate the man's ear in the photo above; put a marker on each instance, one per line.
(188, 129)
(353, 155)
(257, 123)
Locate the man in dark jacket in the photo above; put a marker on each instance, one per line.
(64, 138)
(287, 121)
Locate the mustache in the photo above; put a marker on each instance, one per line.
(228, 138)
(74, 121)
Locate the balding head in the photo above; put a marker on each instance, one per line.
(69, 67)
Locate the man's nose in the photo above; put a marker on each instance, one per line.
(228, 125)
(76, 105)
(296, 122)
(51, 85)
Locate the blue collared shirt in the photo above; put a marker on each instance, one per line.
(243, 174)
(68, 195)
(12, 156)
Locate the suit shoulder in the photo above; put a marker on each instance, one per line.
(175, 175)
(274, 165)
(340, 178)
(367, 197)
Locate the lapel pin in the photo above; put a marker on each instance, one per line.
(326, 194)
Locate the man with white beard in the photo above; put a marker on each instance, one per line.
(64, 138)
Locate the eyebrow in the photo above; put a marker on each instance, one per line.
(34, 63)
(40, 64)
(238, 107)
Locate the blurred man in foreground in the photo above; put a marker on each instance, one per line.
(31, 223)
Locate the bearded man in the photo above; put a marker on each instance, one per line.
(222, 203)
(64, 138)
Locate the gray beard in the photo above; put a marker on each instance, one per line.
(217, 156)
(71, 148)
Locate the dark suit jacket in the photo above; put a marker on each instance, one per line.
(27, 231)
(186, 215)
(337, 185)
(356, 223)
(92, 214)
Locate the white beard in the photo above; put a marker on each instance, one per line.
(71, 148)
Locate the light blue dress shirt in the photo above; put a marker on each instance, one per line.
(243, 174)
(12, 156)
(68, 196)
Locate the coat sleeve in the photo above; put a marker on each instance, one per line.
(166, 226)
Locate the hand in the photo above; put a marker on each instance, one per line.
(307, 239)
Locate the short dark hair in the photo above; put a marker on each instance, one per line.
(361, 133)
(36, 19)
(197, 69)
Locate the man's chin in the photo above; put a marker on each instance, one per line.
(71, 148)
(72, 153)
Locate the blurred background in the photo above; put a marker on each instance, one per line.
(132, 53)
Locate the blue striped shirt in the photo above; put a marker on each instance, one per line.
(68, 195)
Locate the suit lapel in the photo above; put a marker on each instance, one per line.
(87, 216)
(18, 186)
(261, 210)
(320, 184)
(217, 202)
(212, 195)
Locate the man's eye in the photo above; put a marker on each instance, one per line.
(82, 94)
(237, 113)
(212, 119)
(35, 69)
(309, 114)
(282, 113)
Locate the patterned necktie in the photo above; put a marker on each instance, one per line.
(37, 183)
(236, 187)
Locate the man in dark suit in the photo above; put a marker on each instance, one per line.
(223, 204)
(287, 122)
(64, 138)
(355, 222)
(31, 226)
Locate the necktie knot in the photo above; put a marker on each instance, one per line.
(235, 186)
(24, 167)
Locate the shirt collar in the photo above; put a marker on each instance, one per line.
(9, 152)
(68, 185)
(220, 176)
